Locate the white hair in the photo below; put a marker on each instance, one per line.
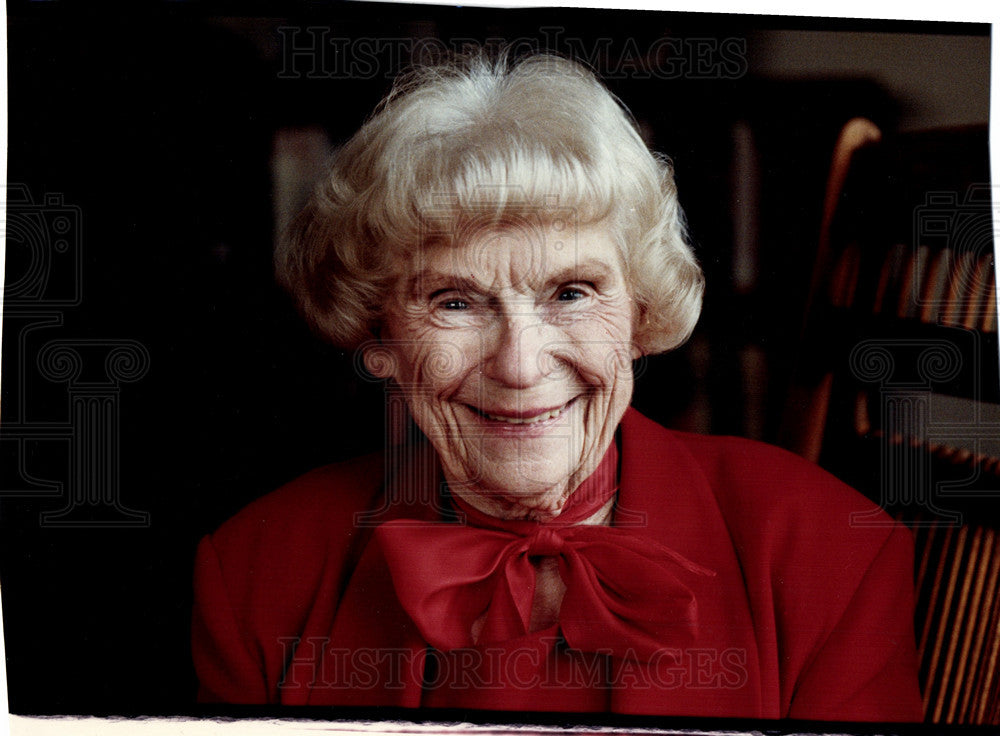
(477, 137)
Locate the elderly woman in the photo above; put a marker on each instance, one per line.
(499, 244)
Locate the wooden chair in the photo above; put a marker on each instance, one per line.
(896, 390)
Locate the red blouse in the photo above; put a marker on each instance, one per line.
(804, 614)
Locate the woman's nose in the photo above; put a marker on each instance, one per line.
(519, 355)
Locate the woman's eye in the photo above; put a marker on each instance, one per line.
(455, 304)
(570, 294)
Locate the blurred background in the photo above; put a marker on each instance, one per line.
(155, 380)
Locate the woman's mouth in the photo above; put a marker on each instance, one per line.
(527, 417)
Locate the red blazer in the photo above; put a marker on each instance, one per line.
(809, 616)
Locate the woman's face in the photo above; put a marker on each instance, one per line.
(514, 351)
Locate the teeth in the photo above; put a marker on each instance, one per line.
(526, 420)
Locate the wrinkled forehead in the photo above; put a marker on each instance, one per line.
(522, 252)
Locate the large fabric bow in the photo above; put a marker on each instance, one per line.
(626, 595)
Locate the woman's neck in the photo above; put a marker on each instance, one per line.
(589, 502)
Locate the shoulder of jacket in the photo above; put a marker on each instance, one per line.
(768, 494)
(775, 481)
(310, 510)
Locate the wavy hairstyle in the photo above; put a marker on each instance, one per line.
(503, 139)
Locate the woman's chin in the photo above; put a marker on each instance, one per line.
(544, 505)
(520, 470)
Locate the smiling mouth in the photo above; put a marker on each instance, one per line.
(523, 418)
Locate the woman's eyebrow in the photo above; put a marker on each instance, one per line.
(591, 269)
(429, 280)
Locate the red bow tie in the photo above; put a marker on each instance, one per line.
(625, 595)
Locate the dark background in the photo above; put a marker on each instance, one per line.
(151, 134)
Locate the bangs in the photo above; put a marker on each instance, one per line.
(541, 142)
(486, 186)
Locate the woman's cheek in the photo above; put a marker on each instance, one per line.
(604, 349)
(440, 366)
